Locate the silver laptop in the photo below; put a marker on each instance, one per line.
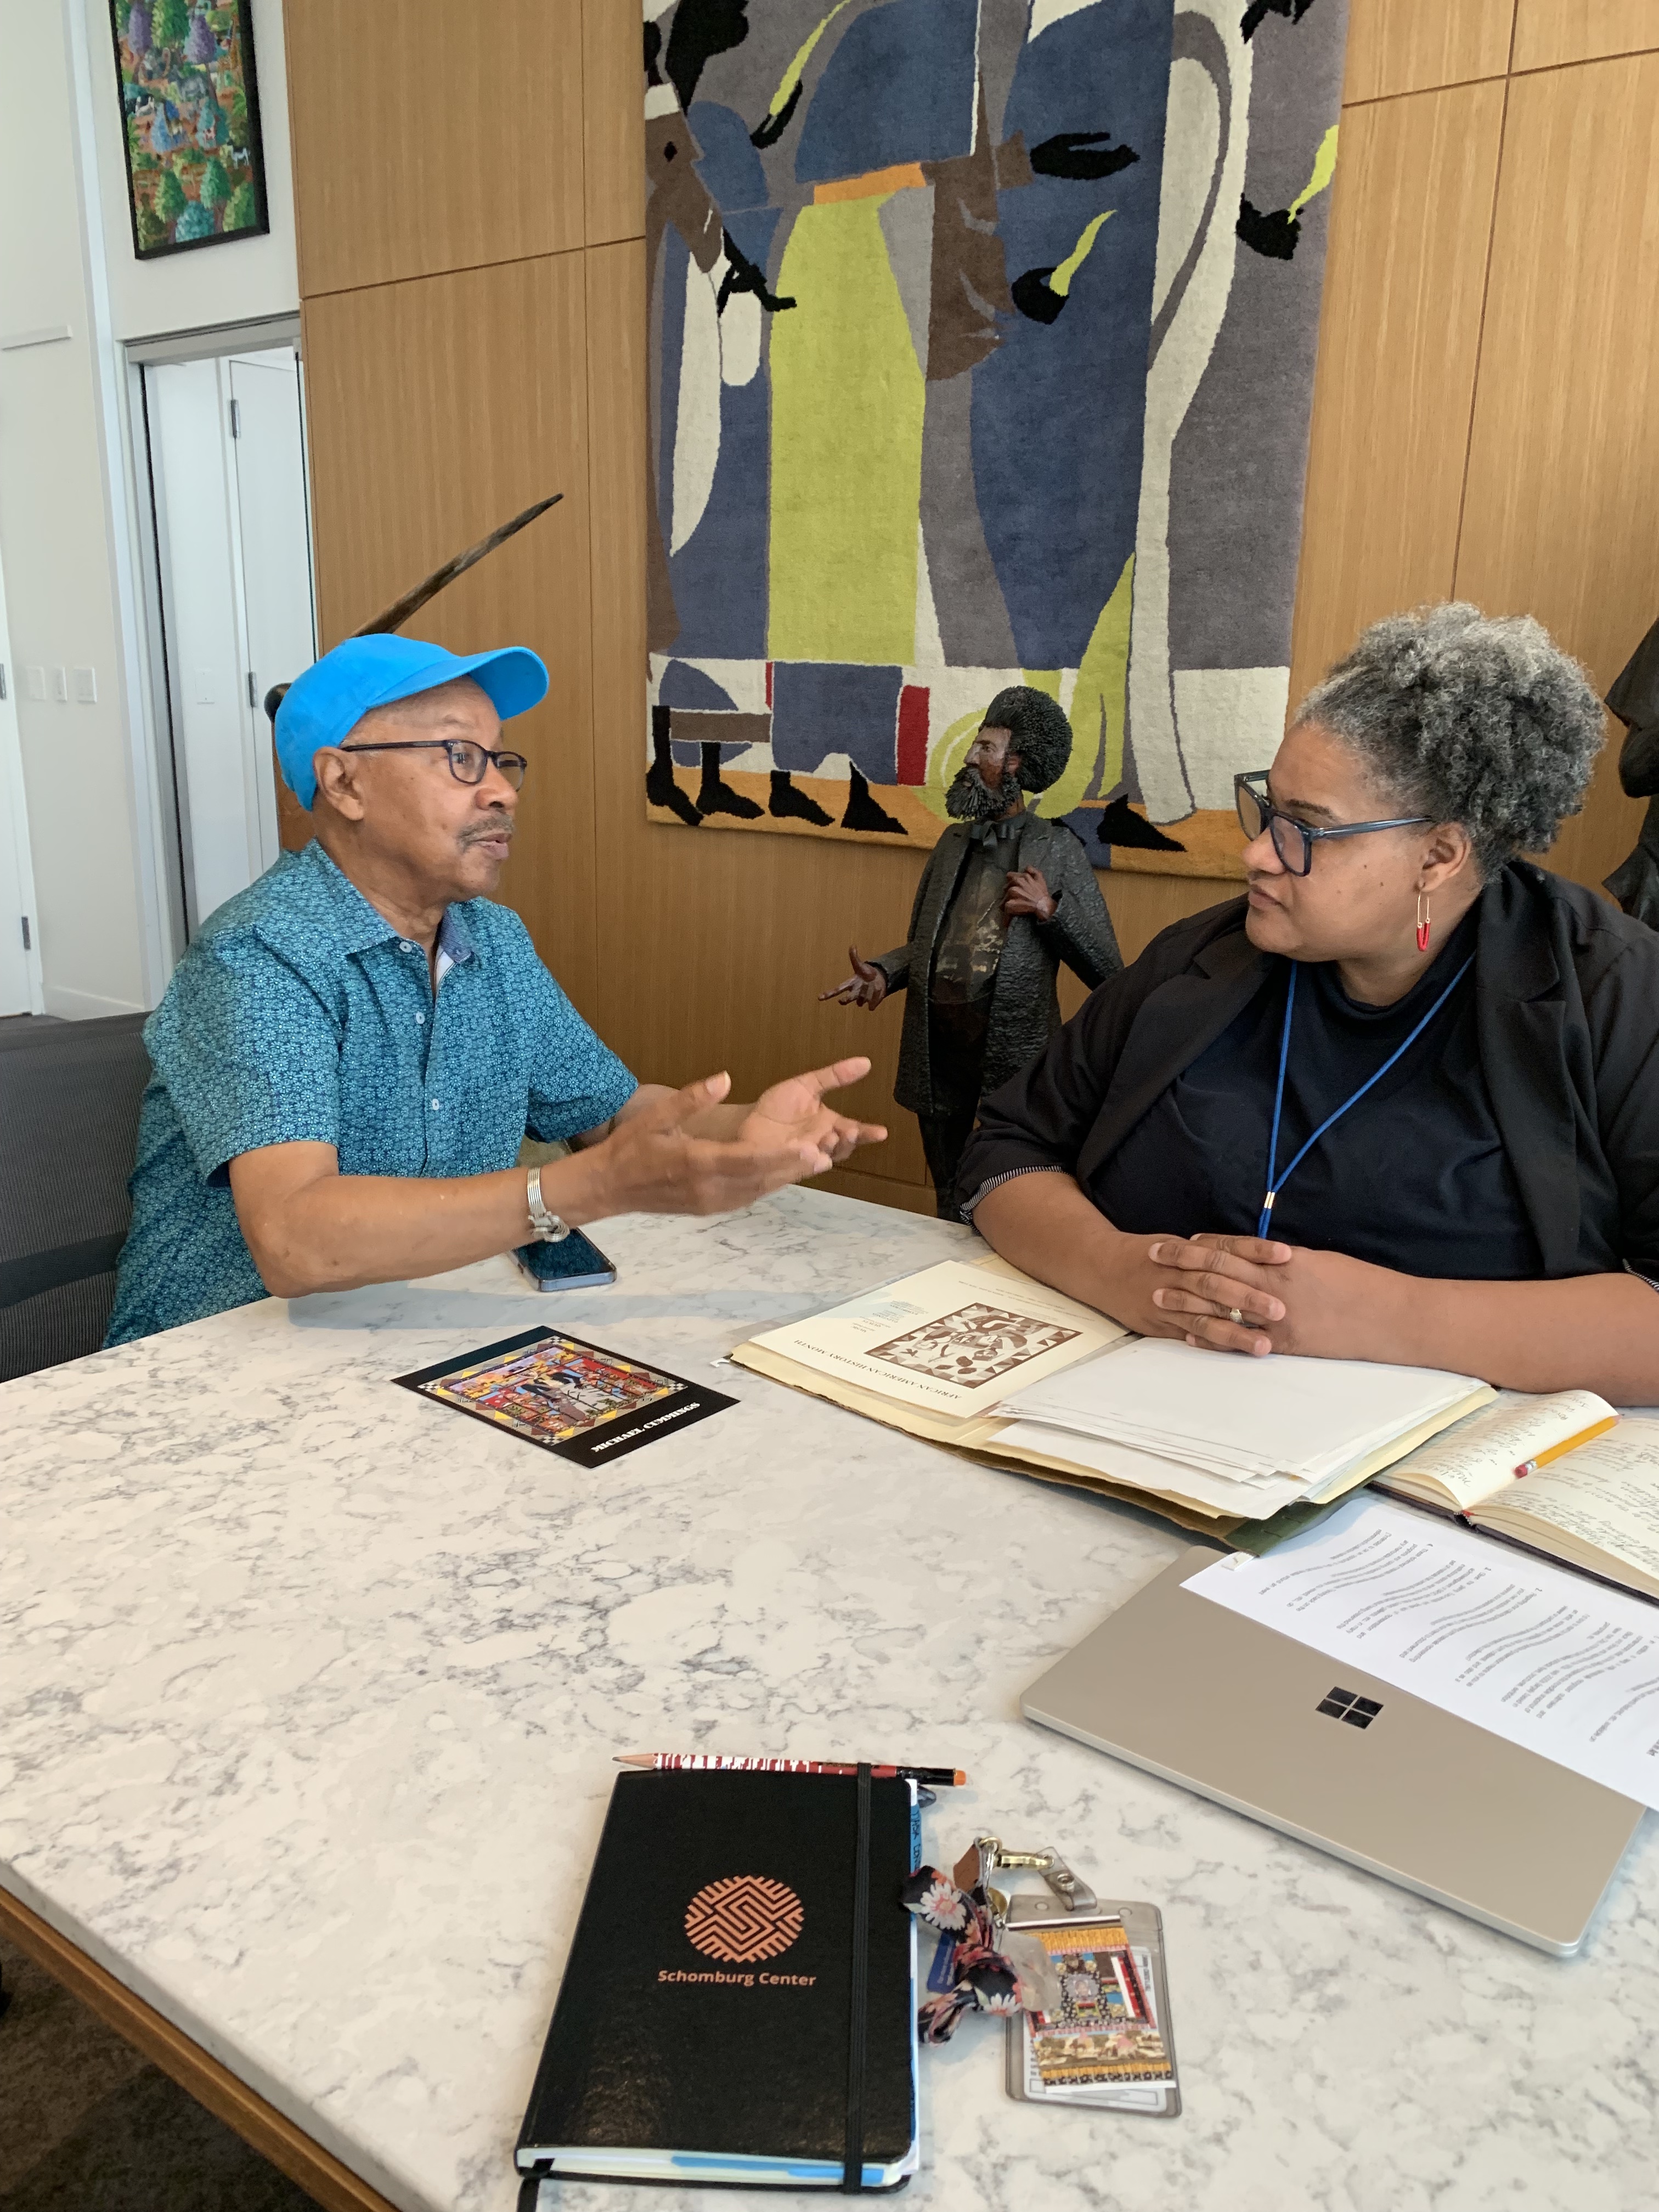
(1239, 1713)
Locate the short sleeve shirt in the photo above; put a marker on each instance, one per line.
(299, 1015)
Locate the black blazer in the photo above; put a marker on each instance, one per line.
(1567, 1013)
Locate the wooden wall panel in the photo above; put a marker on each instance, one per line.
(613, 120)
(1548, 32)
(1563, 463)
(425, 142)
(1413, 45)
(1399, 339)
(438, 408)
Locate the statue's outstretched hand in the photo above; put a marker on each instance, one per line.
(865, 986)
(1029, 893)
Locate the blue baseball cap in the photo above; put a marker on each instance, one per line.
(325, 704)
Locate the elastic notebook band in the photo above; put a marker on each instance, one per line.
(852, 2176)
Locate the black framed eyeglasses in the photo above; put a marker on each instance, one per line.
(467, 759)
(1293, 841)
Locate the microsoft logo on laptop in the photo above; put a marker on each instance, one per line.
(1344, 1705)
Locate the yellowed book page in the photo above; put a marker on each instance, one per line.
(1604, 1500)
(1473, 1460)
(954, 1339)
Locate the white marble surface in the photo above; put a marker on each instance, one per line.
(308, 1691)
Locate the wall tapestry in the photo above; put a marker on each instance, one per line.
(982, 342)
(191, 108)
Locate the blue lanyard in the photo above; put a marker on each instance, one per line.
(1277, 1182)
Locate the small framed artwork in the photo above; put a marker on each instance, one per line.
(190, 111)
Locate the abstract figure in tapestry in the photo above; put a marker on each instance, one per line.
(1005, 898)
(863, 519)
(1635, 699)
(975, 362)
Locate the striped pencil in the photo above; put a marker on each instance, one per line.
(713, 1762)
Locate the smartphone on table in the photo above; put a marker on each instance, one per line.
(575, 1263)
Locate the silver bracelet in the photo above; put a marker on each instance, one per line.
(549, 1228)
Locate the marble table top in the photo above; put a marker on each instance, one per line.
(309, 1690)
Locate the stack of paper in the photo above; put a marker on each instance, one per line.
(974, 1354)
(1245, 1437)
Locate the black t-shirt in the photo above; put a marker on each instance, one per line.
(1414, 1177)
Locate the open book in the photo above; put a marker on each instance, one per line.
(973, 1354)
(1595, 1506)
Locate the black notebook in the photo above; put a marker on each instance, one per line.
(705, 2029)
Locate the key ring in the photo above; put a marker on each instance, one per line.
(972, 1968)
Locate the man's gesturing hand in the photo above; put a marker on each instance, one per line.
(656, 1160)
(793, 1112)
(865, 986)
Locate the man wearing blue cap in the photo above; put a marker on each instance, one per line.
(351, 1052)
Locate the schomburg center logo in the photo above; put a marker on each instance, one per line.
(744, 1917)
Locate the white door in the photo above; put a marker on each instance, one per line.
(233, 549)
(275, 537)
(20, 946)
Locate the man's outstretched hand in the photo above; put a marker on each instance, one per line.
(793, 1112)
(865, 986)
(687, 1151)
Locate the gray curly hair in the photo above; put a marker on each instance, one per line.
(1467, 718)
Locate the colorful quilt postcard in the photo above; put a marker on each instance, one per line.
(572, 1398)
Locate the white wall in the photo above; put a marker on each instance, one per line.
(84, 812)
(216, 283)
(68, 517)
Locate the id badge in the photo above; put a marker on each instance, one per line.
(1104, 2039)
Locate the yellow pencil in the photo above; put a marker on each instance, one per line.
(1571, 1443)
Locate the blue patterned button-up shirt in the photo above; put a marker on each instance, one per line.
(299, 1015)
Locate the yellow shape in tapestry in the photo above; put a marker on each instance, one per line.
(1059, 283)
(791, 75)
(1324, 169)
(846, 416)
(1098, 706)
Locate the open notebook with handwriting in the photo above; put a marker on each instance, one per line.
(1596, 1508)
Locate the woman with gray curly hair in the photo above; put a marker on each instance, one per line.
(1401, 1101)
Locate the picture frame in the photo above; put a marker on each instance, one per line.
(190, 123)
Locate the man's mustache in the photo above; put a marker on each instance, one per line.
(498, 824)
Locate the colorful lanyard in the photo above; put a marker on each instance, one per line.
(1275, 1184)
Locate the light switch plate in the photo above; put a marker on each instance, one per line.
(34, 682)
(60, 686)
(86, 687)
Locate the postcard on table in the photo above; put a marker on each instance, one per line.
(955, 1339)
(572, 1398)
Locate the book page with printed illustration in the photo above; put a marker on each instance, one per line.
(954, 1339)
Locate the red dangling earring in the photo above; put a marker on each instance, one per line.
(1422, 921)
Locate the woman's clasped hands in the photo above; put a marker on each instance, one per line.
(1251, 1295)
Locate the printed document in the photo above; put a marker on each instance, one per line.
(1538, 1655)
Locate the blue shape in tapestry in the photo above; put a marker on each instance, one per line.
(820, 708)
(898, 87)
(1058, 485)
